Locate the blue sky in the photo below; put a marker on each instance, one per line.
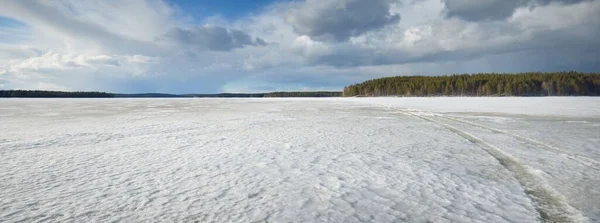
(8, 22)
(228, 9)
(214, 46)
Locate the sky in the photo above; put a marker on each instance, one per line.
(210, 46)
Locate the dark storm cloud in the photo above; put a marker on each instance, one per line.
(339, 20)
(213, 38)
(482, 10)
(560, 48)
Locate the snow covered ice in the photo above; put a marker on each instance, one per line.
(300, 160)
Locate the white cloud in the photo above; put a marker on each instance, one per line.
(59, 61)
(557, 16)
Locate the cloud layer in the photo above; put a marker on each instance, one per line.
(155, 46)
(338, 20)
(213, 38)
(494, 9)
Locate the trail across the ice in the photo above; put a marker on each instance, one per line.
(592, 163)
(551, 205)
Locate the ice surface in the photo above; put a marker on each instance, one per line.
(536, 106)
(300, 160)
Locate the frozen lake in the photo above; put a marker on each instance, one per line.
(300, 160)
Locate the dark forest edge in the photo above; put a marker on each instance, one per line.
(53, 94)
(483, 84)
(85, 94)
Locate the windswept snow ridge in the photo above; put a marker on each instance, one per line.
(299, 160)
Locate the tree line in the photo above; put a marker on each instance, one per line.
(482, 84)
(52, 94)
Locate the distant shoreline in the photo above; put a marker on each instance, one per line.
(463, 85)
(93, 94)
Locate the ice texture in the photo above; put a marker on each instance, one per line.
(300, 160)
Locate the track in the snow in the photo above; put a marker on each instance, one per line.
(551, 205)
(581, 159)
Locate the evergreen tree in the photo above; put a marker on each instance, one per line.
(484, 84)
